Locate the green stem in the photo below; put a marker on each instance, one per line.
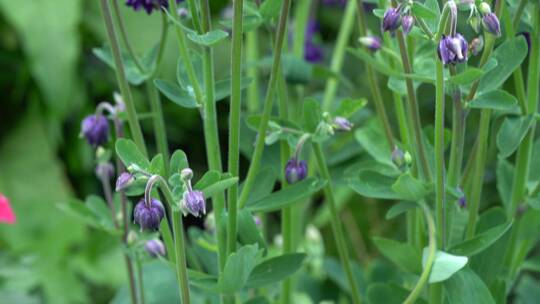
(432, 249)
(123, 34)
(234, 121)
(268, 102)
(519, 12)
(134, 125)
(211, 134)
(336, 223)
(458, 137)
(159, 123)
(338, 55)
(252, 56)
(372, 79)
(439, 154)
(195, 16)
(141, 279)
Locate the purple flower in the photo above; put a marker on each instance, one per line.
(371, 42)
(312, 52)
(148, 5)
(391, 20)
(295, 170)
(104, 170)
(398, 157)
(476, 45)
(124, 180)
(95, 128)
(342, 124)
(407, 24)
(491, 24)
(155, 248)
(453, 49)
(194, 202)
(149, 216)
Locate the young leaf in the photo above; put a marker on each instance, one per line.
(287, 196)
(467, 76)
(248, 232)
(157, 165)
(466, 287)
(208, 39)
(496, 100)
(372, 184)
(409, 188)
(422, 11)
(511, 134)
(270, 9)
(275, 269)
(176, 94)
(238, 268)
(400, 208)
(312, 115)
(444, 266)
(369, 137)
(178, 161)
(133, 74)
(404, 255)
(129, 153)
(265, 181)
(222, 185)
(480, 241)
(348, 107)
(208, 179)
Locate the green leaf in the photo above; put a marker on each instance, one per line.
(532, 264)
(467, 76)
(373, 184)
(404, 255)
(287, 196)
(348, 107)
(480, 241)
(209, 178)
(379, 12)
(312, 115)
(209, 38)
(270, 9)
(509, 56)
(182, 74)
(220, 186)
(400, 208)
(511, 134)
(80, 211)
(369, 137)
(466, 287)
(505, 177)
(496, 100)
(409, 188)
(157, 165)
(130, 155)
(133, 74)
(337, 274)
(237, 269)
(265, 181)
(248, 232)
(444, 266)
(419, 10)
(178, 161)
(176, 94)
(275, 270)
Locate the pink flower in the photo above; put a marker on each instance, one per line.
(6, 213)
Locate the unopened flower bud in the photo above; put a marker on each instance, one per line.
(124, 180)
(491, 24)
(407, 24)
(95, 128)
(476, 45)
(104, 170)
(131, 237)
(475, 23)
(342, 124)
(371, 42)
(186, 174)
(398, 157)
(210, 222)
(149, 216)
(313, 234)
(120, 104)
(484, 8)
(257, 220)
(295, 170)
(155, 248)
(182, 12)
(391, 20)
(194, 202)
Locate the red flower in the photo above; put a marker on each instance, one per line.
(6, 213)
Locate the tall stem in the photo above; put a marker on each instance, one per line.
(336, 223)
(141, 279)
(252, 71)
(133, 121)
(458, 137)
(234, 121)
(439, 154)
(268, 102)
(159, 123)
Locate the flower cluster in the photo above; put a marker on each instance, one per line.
(395, 17)
(482, 15)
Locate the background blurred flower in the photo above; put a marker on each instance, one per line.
(6, 213)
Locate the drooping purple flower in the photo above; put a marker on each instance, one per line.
(391, 20)
(295, 170)
(407, 24)
(453, 49)
(124, 180)
(194, 202)
(491, 24)
(155, 248)
(148, 5)
(371, 42)
(95, 128)
(149, 216)
(342, 124)
(104, 170)
(312, 52)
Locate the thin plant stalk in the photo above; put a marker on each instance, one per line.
(123, 84)
(267, 108)
(252, 71)
(458, 137)
(336, 223)
(141, 280)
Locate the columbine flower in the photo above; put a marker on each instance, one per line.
(194, 202)
(155, 248)
(124, 180)
(95, 128)
(148, 5)
(312, 52)
(491, 24)
(453, 49)
(391, 20)
(371, 42)
(342, 124)
(149, 216)
(407, 24)
(295, 170)
(6, 213)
